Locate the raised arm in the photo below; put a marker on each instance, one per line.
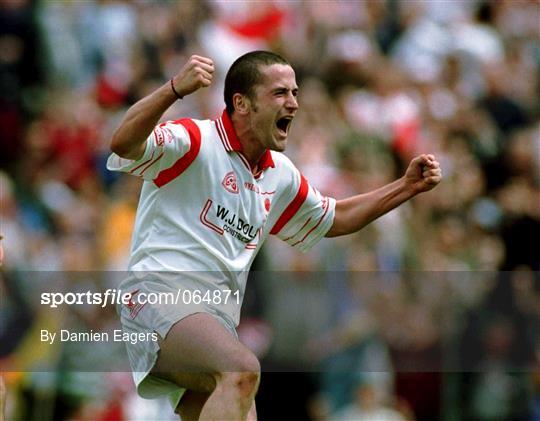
(354, 213)
(128, 140)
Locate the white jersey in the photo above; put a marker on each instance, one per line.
(202, 209)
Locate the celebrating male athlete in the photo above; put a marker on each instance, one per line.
(213, 191)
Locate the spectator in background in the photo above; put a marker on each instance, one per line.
(497, 349)
(367, 407)
(458, 77)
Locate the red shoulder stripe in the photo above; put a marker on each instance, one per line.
(293, 206)
(169, 174)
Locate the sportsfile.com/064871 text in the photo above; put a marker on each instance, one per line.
(114, 297)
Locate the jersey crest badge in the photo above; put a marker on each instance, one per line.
(230, 183)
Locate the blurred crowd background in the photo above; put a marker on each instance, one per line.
(430, 312)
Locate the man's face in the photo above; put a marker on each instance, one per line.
(273, 106)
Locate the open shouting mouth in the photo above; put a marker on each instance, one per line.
(283, 124)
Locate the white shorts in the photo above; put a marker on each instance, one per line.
(148, 318)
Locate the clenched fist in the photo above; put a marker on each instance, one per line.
(196, 73)
(423, 173)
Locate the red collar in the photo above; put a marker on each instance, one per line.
(231, 142)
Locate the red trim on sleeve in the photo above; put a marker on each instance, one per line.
(293, 206)
(152, 163)
(299, 231)
(326, 207)
(143, 164)
(169, 174)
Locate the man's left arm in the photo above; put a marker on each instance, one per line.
(354, 213)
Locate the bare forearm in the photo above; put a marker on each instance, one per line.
(139, 122)
(128, 140)
(354, 213)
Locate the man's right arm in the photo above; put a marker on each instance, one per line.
(128, 140)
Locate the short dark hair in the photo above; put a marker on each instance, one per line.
(245, 74)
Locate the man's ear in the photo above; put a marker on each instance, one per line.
(241, 103)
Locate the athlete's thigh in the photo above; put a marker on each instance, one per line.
(196, 349)
(191, 405)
